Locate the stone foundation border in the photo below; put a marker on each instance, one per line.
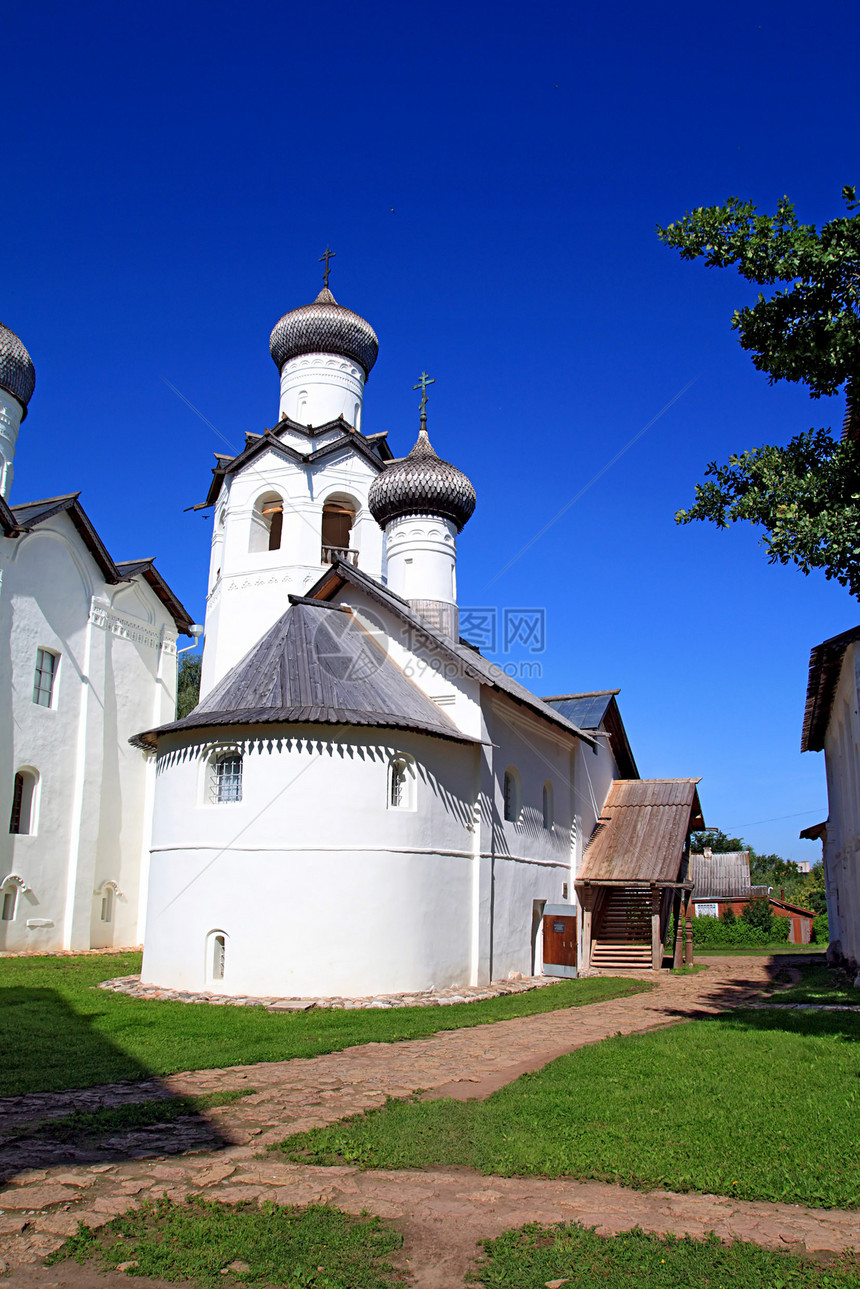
(132, 986)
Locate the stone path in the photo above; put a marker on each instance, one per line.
(49, 1192)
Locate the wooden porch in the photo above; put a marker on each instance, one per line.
(634, 878)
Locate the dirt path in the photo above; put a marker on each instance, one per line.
(51, 1189)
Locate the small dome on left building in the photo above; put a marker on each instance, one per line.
(17, 373)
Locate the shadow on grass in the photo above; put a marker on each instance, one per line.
(131, 1119)
(741, 990)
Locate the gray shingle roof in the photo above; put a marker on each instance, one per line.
(316, 665)
(463, 657)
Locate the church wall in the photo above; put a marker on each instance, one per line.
(530, 862)
(89, 809)
(318, 887)
(249, 588)
(842, 848)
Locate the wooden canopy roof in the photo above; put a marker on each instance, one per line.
(642, 832)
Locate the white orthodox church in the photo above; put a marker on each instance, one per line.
(360, 803)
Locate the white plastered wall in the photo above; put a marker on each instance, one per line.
(842, 849)
(115, 676)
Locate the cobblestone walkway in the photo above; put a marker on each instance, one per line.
(51, 1186)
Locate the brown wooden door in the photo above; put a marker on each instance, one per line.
(559, 944)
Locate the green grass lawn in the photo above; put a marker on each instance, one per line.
(820, 984)
(758, 950)
(269, 1245)
(58, 1031)
(757, 1104)
(536, 1255)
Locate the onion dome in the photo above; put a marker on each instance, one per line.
(421, 484)
(17, 373)
(324, 327)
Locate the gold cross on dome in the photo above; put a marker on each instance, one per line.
(423, 381)
(327, 255)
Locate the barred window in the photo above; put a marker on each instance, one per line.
(43, 682)
(226, 782)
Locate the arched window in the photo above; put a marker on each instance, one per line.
(401, 783)
(23, 817)
(267, 523)
(225, 778)
(338, 518)
(10, 899)
(513, 796)
(547, 805)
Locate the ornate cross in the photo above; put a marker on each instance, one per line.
(328, 255)
(423, 382)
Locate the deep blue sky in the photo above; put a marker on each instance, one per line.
(173, 172)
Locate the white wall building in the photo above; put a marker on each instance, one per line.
(87, 654)
(361, 803)
(831, 724)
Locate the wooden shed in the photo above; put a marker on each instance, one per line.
(634, 871)
(721, 880)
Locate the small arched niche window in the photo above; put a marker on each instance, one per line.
(10, 888)
(513, 796)
(338, 518)
(547, 805)
(22, 820)
(216, 956)
(109, 891)
(225, 778)
(401, 783)
(267, 523)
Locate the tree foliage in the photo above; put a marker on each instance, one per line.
(716, 840)
(188, 684)
(805, 496)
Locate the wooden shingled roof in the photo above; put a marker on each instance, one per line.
(642, 831)
(825, 666)
(318, 665)
(722, 875)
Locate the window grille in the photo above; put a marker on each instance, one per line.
(401, 783)
(219, 954)
(227, 779)
(399, 786)
(43, 682)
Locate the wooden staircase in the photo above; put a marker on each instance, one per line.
(622, 935)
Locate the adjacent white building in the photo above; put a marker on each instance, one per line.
(87, 655)
(831, 724)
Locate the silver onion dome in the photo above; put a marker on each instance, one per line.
(421, 484)
(17, 373)
(324, 327)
